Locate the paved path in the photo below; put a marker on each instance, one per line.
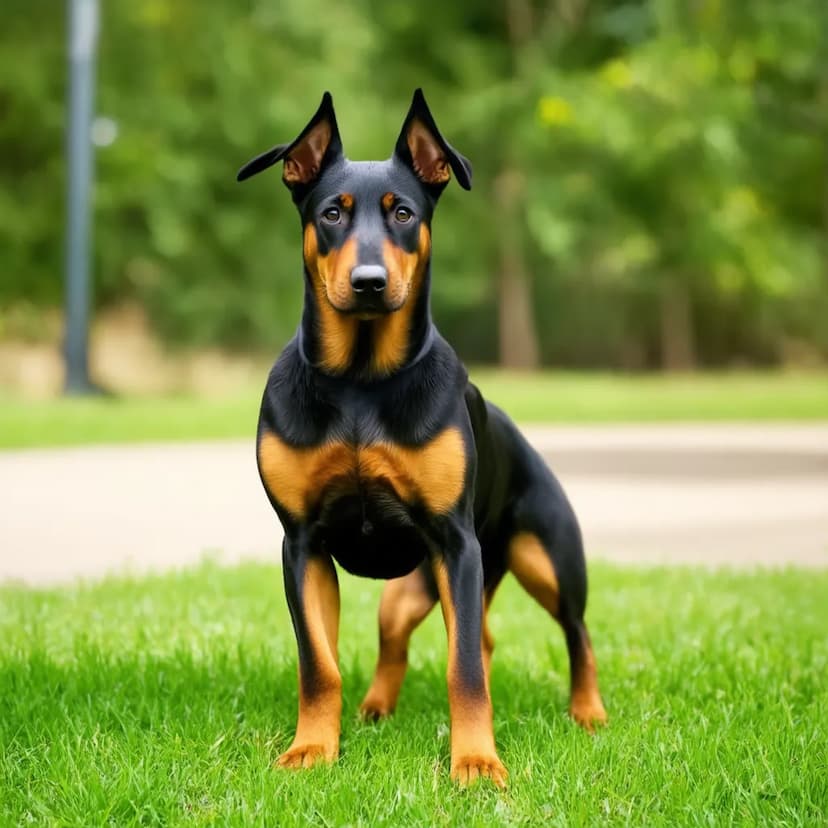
(737, 495)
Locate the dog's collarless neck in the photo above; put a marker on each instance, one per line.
(422, 351)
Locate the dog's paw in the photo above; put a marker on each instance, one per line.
(374, 708)
(306, 756)
(588, 713)
(467, 769)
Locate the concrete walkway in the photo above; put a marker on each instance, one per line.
(736, 495)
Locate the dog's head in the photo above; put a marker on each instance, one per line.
(367, 237)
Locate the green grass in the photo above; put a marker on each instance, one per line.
(606, 398)
(78, 421)
(165, 701)
(547, 397)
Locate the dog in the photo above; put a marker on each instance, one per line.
(376, 452)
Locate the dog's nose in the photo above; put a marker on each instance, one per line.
(369, 278)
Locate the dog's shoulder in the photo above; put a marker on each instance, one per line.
(295, 405)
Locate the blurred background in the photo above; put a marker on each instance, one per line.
(646, 241)
(650, 193)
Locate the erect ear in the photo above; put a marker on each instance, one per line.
(305, 157)
(430, 156)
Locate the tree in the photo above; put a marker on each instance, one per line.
(650, 188)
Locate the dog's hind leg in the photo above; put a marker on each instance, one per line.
(404, 605)
(585, 705)
(562, 593)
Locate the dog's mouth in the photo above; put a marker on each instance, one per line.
(368, 307)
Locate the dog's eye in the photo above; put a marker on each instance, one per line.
(332, 215)
(403, 214)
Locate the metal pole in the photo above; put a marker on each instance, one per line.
(83, 32)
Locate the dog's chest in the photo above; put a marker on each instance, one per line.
(298, 478)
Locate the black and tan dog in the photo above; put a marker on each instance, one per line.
(378, 453)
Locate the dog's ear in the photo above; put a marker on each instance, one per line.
(422, 148)
(305, 157)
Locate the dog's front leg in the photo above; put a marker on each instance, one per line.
(313, 598)
(458, 571)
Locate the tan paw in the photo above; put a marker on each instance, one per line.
(375, 707)
(466, 769)
(588, 713)
(306, 756)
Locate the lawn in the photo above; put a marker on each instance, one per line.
(545, 397)
(166, 699)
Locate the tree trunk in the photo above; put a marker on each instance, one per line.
(678, 348)
(825, 205)
(517, 331)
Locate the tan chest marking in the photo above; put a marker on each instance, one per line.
(432, 474)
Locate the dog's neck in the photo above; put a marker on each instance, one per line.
(366, 349)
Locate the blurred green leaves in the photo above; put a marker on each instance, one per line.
(659, 168)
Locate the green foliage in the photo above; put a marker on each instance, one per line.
(166, 699)
(668, 160)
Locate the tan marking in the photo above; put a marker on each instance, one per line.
(335, 272)
(305, 159)
(585, 705)
(532, 566)
(487, 641)
(318, 725)
(293, 476)
(347, 201)
(473, 752)
(331, 281)
(433, 474)
(320, 598)
(405, 275)
(405, 603)
(388, 201)
(430, 162)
